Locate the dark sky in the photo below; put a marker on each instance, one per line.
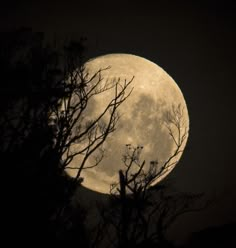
(195, 43)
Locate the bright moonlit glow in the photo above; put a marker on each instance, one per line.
(142, 116)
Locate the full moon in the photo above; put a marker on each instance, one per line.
(154, 117)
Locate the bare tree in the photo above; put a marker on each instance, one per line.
(71, 125)
(44, 99)
(57, 104)
(76, 134)
(136, 177)
(140, 212)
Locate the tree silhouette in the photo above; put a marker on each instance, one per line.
(140, 212)
(45, 91)
(30, 74)
(69, 119)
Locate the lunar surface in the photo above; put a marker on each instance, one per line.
(146, 118)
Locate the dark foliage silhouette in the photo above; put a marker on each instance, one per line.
(44, 93)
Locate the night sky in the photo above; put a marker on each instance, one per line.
(195, 44)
